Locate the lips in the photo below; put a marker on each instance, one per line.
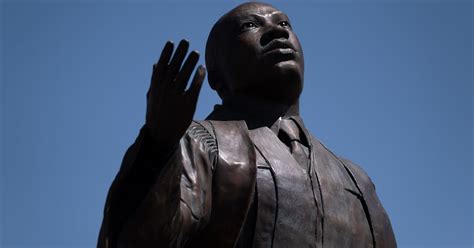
(278, 50)
(279, 45)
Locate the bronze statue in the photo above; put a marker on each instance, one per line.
(251, 174)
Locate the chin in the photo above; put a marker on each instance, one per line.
(289, 69)
(286, 78)
(287, 73)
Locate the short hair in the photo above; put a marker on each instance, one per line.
(213, 48)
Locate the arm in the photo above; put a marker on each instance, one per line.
(149, 201)
(161, 207)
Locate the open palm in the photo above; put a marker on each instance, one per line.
(170, 107)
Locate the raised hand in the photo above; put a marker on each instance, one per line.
(170, 107)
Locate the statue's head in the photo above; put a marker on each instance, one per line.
(252, 50)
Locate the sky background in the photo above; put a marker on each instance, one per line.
(388, 84)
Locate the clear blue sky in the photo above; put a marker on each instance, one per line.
(388, 84)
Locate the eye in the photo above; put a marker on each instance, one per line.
(247, 26)
(284, 24)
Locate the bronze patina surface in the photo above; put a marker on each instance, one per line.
(251, 174)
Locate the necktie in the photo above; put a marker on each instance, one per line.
(290, 134)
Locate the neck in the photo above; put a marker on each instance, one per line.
(255, 111)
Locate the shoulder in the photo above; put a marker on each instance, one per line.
(377, 215)
(220, 129)
(220, 138)
(209, 132)
(202, 132)
(361, 176)
(383, 232)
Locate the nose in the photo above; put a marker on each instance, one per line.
(274, 31)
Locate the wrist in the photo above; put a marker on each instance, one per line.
(158, 145)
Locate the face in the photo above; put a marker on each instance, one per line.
(260, 54)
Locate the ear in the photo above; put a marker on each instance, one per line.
(213, 79)
(216, 82)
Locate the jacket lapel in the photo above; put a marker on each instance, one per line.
(296, 218)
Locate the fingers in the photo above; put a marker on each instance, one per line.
(177, 60)
(170, 73)
(185, 73)
(196, 85)
(160, 67)
(165, 55)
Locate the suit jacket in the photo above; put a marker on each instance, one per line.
(202, 193)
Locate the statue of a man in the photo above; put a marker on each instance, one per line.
(251, 174)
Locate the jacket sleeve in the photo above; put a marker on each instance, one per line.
(160, 200)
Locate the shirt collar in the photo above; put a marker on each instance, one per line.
(255, 112)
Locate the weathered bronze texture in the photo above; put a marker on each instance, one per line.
(251, 174)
